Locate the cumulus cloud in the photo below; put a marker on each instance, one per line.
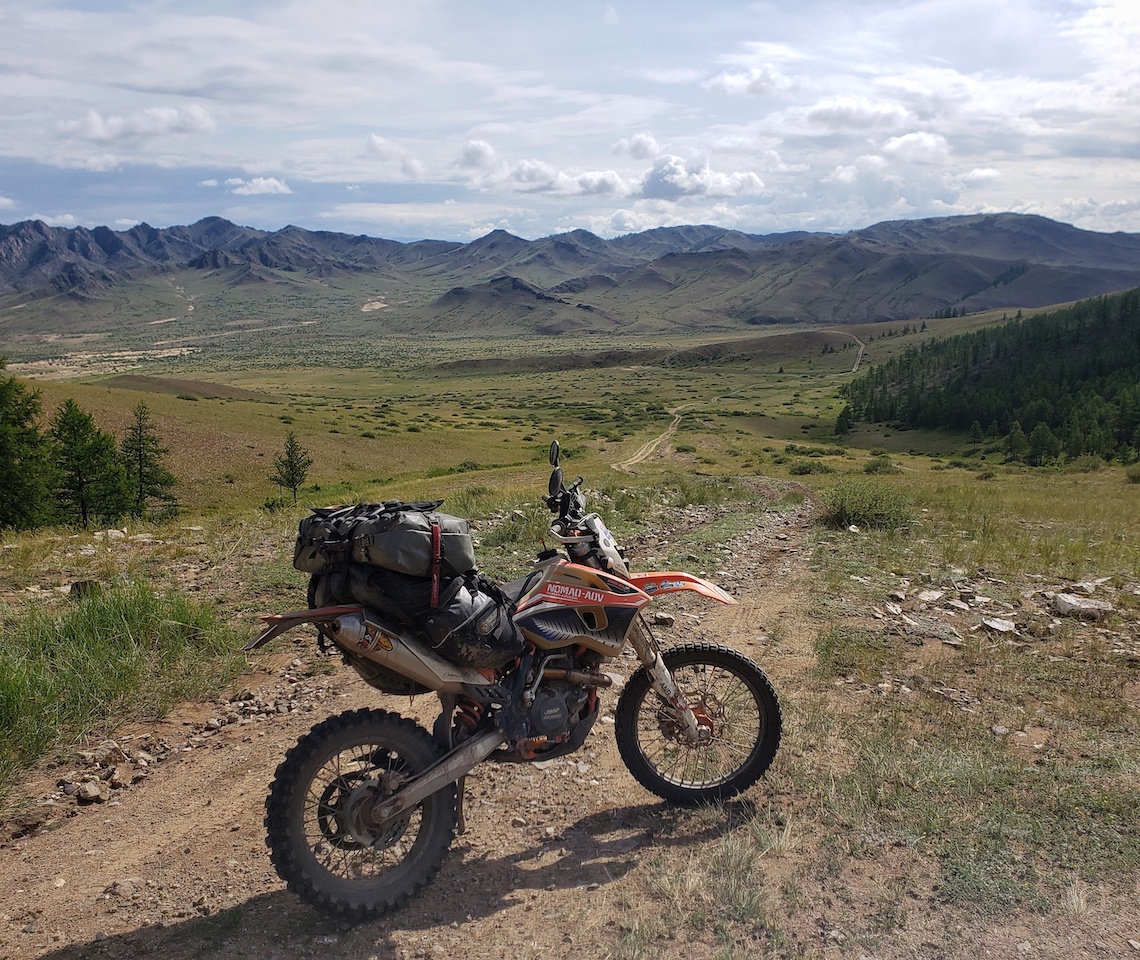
(755, 81)
(477, 155)
(6, 203)
(980, 175)
(671, 178)
(856, 113)
(257, 186)
(57, 220)
(918, 147)
(864, 165)
(641, 146)
(142, 124)
(211, 182)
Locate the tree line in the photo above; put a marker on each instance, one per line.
(70, 471)
(1065, 383)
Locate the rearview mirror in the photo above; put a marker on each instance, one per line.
(554, 451)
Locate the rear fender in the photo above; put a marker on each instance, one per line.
(657, 583)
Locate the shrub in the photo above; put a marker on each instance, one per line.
(800, 468)
(1133, 473)
(865, 504)
(880, 464)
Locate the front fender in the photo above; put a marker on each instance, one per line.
(655, 583)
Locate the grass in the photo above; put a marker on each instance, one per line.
(124, 653)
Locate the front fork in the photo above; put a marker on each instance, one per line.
(661, 680)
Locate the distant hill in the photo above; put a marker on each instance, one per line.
(1066, 381)
(670, 278)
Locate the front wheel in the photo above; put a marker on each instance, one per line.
(737, 714)
(322, 838)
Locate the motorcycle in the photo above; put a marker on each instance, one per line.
(364, 807)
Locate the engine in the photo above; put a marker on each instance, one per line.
(556, 708)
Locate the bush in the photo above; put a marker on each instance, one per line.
(1133, 473)
(800, 468)
(880, 464)
(862, 503)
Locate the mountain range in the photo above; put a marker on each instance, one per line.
(696, 277)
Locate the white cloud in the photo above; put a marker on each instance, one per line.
(209, 182)
(755, 81)
(57, 220)
(125, 223)
(920, 147)
(610, 15)
(377, 146)
(6, 203)
(477, 155)
(150, 122)
(641, 146)
(258, 186)
(671, 178)
(980, 175)
(856, 113)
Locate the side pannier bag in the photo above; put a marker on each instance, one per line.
(473, 627)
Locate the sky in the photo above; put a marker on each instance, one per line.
(441, 119)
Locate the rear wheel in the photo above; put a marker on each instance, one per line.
(738, 716)
(321, 836)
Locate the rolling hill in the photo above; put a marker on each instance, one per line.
(116, 285)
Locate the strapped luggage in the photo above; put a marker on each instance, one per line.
(394, 535)
(412, 563)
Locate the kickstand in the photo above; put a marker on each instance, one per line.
(461, 824)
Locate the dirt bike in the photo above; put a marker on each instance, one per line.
(364, 807)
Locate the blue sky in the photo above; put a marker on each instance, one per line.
(450, 119)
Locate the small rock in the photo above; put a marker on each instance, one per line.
(999, 731)
(518, 822)
(93, 791)
(931, 596)
(1000, 625)
(664, 619)
(108, 753)
(1069, 605)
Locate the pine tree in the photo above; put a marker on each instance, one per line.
(1044, 447)
(142, 453)
(1015, 443)
(976, 435)
(90, 480)
(292, 466)
(25, 464)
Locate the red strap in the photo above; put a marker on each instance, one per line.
(436, 557)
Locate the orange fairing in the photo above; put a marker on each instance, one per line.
(655, 583)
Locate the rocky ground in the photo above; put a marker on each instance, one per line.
(152, 845)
